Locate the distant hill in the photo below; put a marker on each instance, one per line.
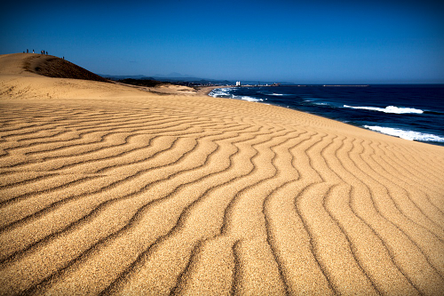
(170, 79)
(142, 82)
(189, 80)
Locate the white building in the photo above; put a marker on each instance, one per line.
(238, 83)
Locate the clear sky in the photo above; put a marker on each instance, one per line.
(296, 41)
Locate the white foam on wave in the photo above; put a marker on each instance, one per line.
(247, 98)
(220, 93)
(273, 94)
(225, 93)
(405, 134)
(389, 109)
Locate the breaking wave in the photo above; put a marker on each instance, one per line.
(406, 134)
(220, 93)
(225, 93)
(389, 109)
(247, 98)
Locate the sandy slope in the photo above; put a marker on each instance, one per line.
(108, 189)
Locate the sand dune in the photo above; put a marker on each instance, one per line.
(106, 189)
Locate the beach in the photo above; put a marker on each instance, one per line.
(111, 189)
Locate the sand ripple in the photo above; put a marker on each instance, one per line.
(194, 195)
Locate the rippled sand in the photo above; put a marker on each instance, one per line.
(109, 189)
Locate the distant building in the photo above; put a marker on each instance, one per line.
(238, 83)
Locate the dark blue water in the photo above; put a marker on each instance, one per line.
(413, 112)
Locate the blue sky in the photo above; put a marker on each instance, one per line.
(296, 41)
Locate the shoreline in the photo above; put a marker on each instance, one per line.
(422, 136)
(205, 90)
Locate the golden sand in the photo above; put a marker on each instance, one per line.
(105, 188)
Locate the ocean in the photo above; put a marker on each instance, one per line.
(412, 112)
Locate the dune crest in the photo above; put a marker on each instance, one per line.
(108, 189)
(51, 66)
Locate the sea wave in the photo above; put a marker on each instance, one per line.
(247, 98)
(406, 134)
(226, 93)
(279, 95)
(220, 93)
(273, 94)
(389, 109)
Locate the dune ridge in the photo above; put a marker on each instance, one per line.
(106, 189)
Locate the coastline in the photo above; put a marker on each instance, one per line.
(403, 118)
(108, 189)
(206, 90)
